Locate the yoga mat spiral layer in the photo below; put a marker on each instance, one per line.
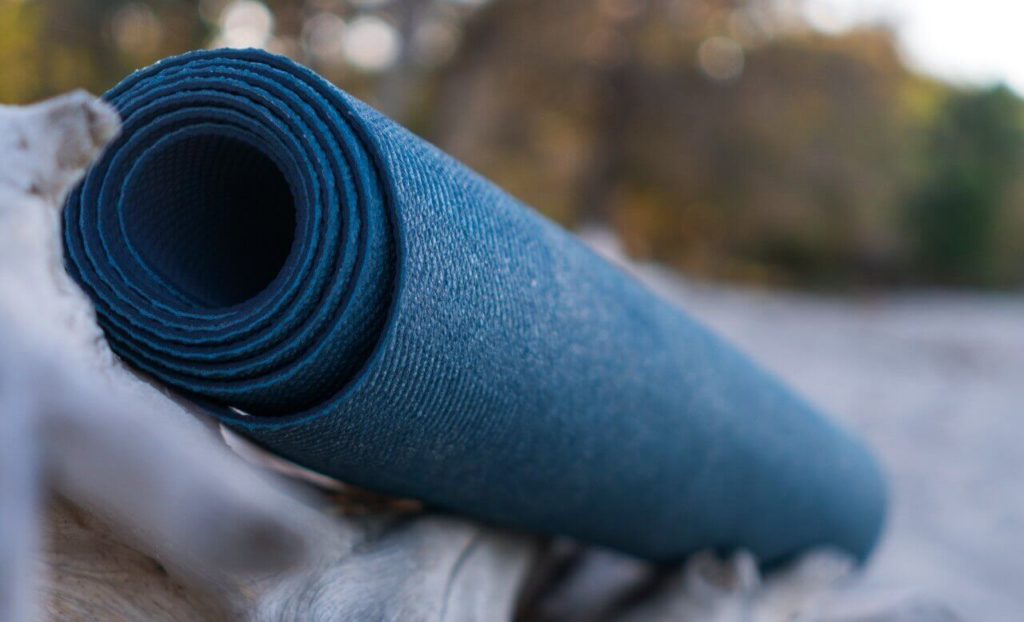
(353, 299)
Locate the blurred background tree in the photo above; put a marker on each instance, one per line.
(725, 138)
(973, 160)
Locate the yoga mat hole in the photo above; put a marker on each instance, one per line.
(211, 215)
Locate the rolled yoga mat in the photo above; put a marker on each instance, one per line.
(353, 299)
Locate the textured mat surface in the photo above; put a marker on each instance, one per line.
(352, 298)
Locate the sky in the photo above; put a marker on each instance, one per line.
(972, 42)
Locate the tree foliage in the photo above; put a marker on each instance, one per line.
(973, 160)
(722, 137)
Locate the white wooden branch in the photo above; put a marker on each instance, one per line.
(99, 435)
(18, 495)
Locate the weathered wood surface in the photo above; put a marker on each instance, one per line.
(119, 503)
(422, 569)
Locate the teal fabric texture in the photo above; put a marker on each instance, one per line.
(348, 296)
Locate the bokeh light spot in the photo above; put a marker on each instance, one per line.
(435, 42)
(371, 44)
(720, 58)
(323, 37)
(245, 24)
(136, 29)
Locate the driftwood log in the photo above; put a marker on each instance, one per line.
(118, 502)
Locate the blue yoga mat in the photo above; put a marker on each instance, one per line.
(345, 294)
